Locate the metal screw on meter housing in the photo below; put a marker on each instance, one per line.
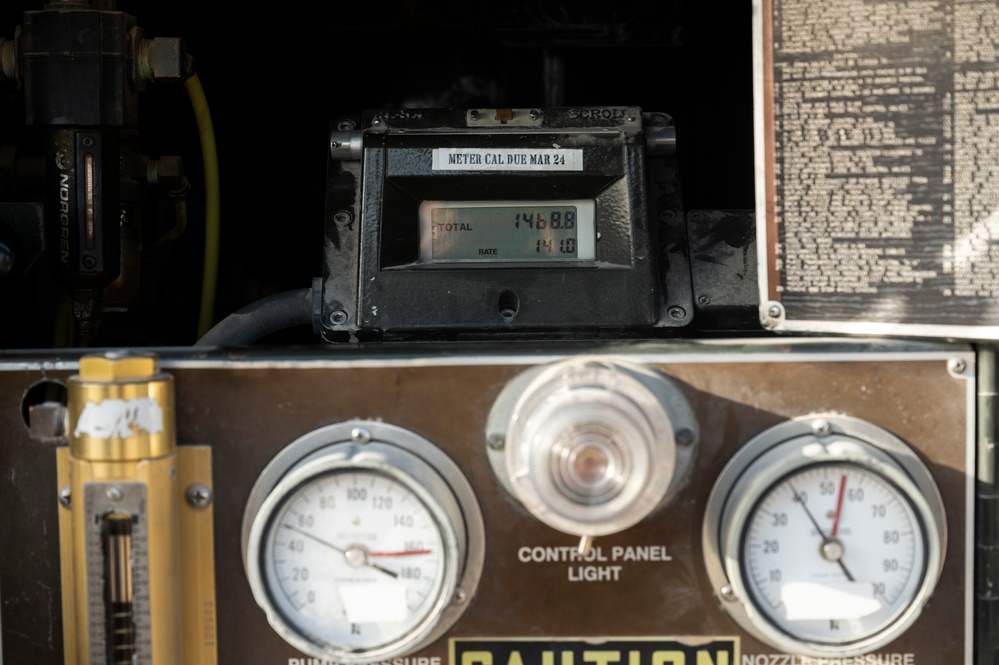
(199, 496)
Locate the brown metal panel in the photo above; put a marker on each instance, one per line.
(248, 409)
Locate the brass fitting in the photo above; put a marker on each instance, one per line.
(121, 470)
(121, 409)
(115, 367)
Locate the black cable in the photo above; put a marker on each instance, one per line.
(261, 318)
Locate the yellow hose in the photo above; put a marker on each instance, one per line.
(206, 133)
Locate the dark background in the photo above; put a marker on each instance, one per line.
(275, 75)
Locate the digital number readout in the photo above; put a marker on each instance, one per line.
(523, 231)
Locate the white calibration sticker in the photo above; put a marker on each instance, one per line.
(374, 602)
(508, 159)
(829, 600)
(120, 418)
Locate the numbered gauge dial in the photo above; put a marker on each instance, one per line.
(356, 558)
(825, 538)
(833, 553)
(359, 552)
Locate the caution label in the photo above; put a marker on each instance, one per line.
(631, 651)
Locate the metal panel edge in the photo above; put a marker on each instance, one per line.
(759, 156)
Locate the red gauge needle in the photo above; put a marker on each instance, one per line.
(404, 553)
(837, 556)
(839, 506)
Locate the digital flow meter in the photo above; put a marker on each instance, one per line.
(448, 222)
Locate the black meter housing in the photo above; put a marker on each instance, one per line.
(448, 223)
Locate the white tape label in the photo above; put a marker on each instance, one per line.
(832, 600)
(374, 602)
(120, 418)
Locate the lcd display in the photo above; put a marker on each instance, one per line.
(506, 231)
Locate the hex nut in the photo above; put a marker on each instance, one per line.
(116, 368)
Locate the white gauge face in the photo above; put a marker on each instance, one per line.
(833, 553)
(825, 536)
(354, 560)
(362, 541)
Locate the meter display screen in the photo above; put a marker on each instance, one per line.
(506, 231)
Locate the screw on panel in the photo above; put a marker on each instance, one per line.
(65, 497)
(678, 313)
(685, 437)
(342, 217)
(360, 435)
(727, 593)
(773, 316)
(957, 366)
(115, 494)
(199, 496)
(345, 125)
(821, 427)
(460, 596)
(473, 114)
(703, 301)
(496, 441)
(535, 114)
(338, 318)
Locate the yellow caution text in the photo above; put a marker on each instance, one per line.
(603, 657)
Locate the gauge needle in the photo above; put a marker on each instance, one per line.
(342, 551)
(825, 539)
(839, 505)
(404, 553)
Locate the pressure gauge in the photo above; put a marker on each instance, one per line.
(362, 542)
(825, 536)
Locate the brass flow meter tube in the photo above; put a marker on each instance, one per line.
(124, 494)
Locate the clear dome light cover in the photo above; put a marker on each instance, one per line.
(590, 449)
